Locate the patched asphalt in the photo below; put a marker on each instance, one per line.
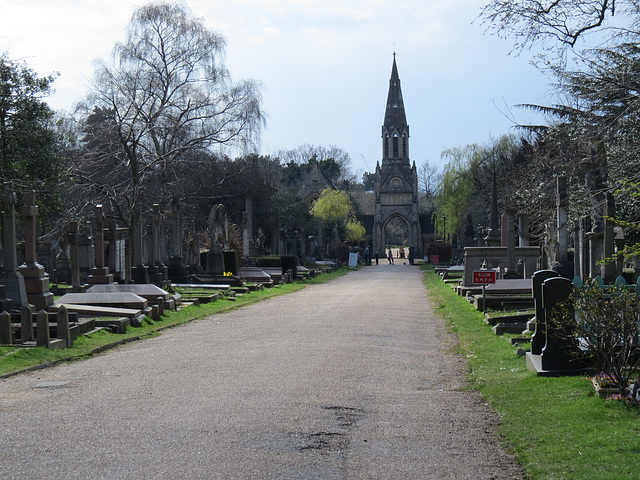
(352, 379)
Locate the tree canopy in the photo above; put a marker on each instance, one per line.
(165, 100)
(30, 155)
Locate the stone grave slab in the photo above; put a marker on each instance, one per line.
(513, 286)
(206, 286)
(254, 274)
(145, 290)
(99, 311)
(104, 299)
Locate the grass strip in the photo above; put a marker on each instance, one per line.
(15, 359)
(556, 427)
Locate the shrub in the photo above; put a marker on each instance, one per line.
(606, 322)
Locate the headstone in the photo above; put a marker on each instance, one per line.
(100, 273)
(6, 332)
(36, 281)
(15, 290)
(539, 336)
(523, 230)
(139, 271)
(158, 272)
(26, 325)
(42, 329)
(62, 331)
(247, 230)
(73, 255)
(560, 351)
(215, 257)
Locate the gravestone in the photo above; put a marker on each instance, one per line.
(177, 271)
(26, 325)
(215, 257)
(6, 332)
(100, 273)
(538, 339)
(62, 330)
(560, 354)
(74, 258)
(139, 271)
(158, 272)
(36, 281)
(15, 292)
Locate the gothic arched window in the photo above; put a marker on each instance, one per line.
(395, 144)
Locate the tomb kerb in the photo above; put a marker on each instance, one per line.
(13, 280)
(35, 279)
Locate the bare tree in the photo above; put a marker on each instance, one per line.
(166, 96)
(531, 22)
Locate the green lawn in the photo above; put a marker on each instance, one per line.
(556, 427)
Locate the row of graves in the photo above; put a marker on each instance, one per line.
(108, 282)
(505, 274)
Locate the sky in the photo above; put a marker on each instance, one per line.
(324, 66)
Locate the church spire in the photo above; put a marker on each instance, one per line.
(395, 131)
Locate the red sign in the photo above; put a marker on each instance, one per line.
(434, 259)
(484, 276)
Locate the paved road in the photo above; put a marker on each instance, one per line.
(352, 379)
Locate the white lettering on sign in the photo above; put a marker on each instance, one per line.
(484, 276)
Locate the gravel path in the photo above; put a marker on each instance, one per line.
(352, 379)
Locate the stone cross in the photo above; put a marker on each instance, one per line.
(30, 212)
(35, 278)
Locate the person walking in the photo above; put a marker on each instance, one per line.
(390, 257)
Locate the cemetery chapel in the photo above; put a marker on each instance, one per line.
(396, 180)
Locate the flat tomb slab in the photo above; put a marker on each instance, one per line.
(145, 290)
(517, 285)
(213, 286)
(105, 299)
(99, 311)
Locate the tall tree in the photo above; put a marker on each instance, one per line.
(166, 95)
(29, 144)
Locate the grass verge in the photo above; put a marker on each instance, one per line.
(15, 359)
(556, 427)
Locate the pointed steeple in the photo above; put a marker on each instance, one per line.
(394, 114)
(395, 131)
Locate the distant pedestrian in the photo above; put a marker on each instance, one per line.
(390, 257)
(377, 257)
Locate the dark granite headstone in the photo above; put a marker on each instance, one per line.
(539, 338)
(560, 350)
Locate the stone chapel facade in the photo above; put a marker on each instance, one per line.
(396, 180)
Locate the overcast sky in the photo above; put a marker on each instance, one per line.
(324, 65)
